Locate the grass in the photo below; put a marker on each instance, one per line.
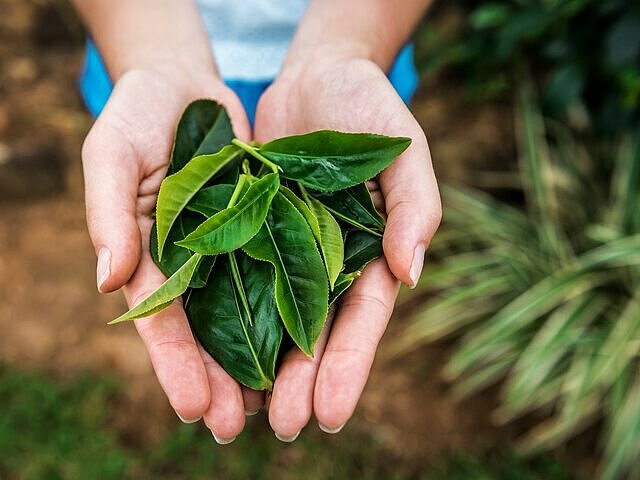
(52, 430)
(544, 297)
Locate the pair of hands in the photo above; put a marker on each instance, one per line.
(125, 157)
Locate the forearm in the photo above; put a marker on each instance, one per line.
(148, 33)
(371, 29)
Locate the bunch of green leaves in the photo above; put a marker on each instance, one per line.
(261, 239)
(587, 53)
(546, 297)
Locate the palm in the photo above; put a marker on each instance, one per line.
(347, 95)
(126, 154)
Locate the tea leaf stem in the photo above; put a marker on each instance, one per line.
(237, 279)
(242, 179)
(253, 151)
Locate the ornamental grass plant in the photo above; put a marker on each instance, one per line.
(542, 295)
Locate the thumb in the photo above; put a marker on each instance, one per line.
(111, 190)
(413, 211)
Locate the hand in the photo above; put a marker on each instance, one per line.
(337, 91)
(125, 156)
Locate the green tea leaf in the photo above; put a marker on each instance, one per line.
(343, 282)
(204, 128)
(245, 343)
(302, 292)
(330, 240)
(328, 160)
(332, 247)
(175, 286)
(353, 204)
(360, 248)
(304, 209)
(234, 226)
(174, 256)
(211, 200)
(229, 174)
(176, 190)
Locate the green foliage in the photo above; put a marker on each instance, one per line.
(52, 430)
(239, 314)
(547, 296)
(174, 256)
(216, 310)
(360, 248)
(498, 467)
(203, 129)
(354, 206)
(328, 161)
(231, 228)
(329, 240)
(586, 53)
(176, 190)
(301, 286)
(175, 286)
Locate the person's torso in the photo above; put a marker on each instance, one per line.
(250, 37)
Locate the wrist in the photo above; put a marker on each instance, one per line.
(312, 61)
(168, 64)
(177, 75)
(357, 29)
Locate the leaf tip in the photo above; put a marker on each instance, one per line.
(120, 319)
(404, 142)
(186, 243)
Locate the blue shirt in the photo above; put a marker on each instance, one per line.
(250, 39)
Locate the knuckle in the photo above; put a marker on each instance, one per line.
(360, 300)
(362, 351)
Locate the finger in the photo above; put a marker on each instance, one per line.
(237, 114)
(291, 402)
(372, 185)
(170, 343)
(253, 401)
(378, 201)
(111, 179)
(361, 320)
(413, 210)
(225, 415)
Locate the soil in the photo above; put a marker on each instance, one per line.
(51, 314)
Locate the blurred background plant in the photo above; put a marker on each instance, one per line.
(52, 429)
(585, 52)
(538, 285)
(545, 296)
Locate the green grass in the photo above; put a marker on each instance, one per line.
(52, 430)
(543, 297)
(498, 467)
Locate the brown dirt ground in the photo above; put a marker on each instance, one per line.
(51, 315)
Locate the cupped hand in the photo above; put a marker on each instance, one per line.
(332, 91)
(125, 157)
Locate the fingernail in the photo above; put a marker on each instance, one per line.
(184, 420)
(282, 438)
(103, 268)
(416, 265)
(251, 413)
(223, 441)
(326, 429)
